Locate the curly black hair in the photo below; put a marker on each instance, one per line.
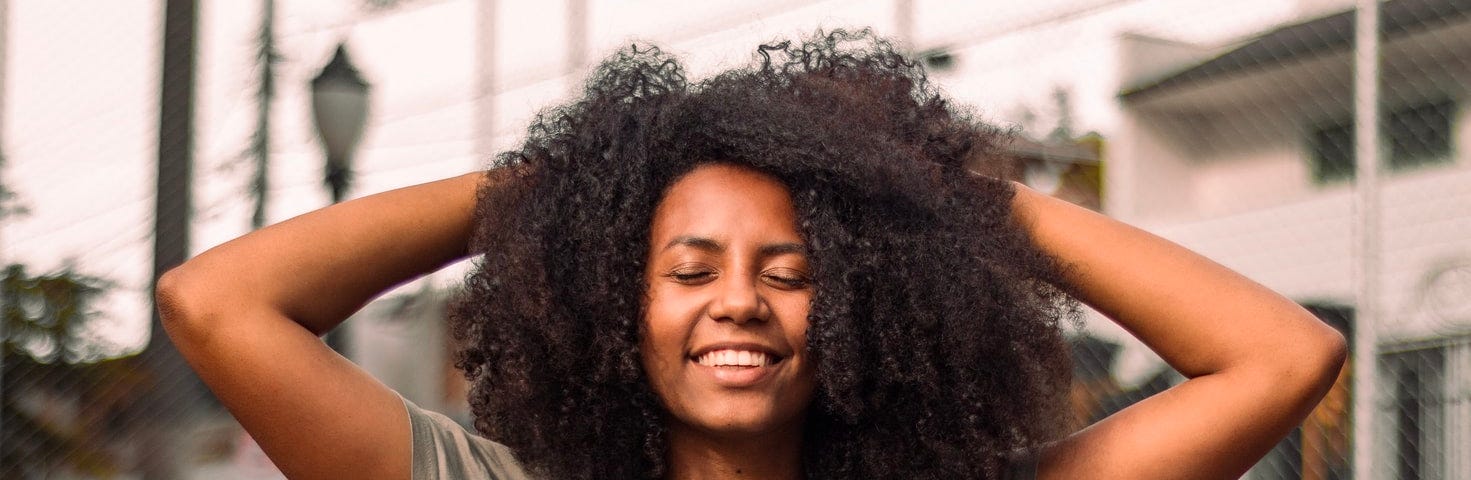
(936, 322)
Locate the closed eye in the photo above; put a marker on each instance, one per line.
(691, 277)
(787, 280)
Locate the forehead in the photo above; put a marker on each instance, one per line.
(724, 201)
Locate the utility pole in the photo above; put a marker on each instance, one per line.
(176, 396)
(576, 44)
(1366, 215)
(485, 78)
(904, 25)
(261, 145)
(4, 336)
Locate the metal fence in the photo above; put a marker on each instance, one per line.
(1249, 153)
(1230, 129)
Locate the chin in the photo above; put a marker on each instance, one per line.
(735, 419)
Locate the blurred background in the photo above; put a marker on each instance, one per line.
(135, 133)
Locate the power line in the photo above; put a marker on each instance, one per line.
(361, 17)
(131, 238)
(553, 72)
(974, 37)
(138, 234)
(82, 222)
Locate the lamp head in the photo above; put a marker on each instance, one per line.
(340, 106)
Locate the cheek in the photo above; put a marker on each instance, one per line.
(666, 327)
(795, 313)
(665, 331)
(795, 328)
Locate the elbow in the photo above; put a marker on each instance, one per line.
(1328, 350)
(1300, 362)
(1337, 350)
(1320, 359)
(179, 304)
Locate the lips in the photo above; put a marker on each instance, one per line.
(736, 353)
(735, 358)
(736, 365)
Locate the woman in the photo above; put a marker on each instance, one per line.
(785, 271)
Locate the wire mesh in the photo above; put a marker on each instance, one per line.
(1246, 152)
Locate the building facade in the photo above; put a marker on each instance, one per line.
(1245, 154)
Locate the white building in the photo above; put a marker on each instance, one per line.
(1246, 156)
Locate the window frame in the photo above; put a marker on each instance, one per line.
(1330, 145)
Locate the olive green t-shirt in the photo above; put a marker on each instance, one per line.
(445, 450)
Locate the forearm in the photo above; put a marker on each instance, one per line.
(1199, 316)
(1257, 362)
(320, 267)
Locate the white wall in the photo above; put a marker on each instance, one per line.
(1302, 248)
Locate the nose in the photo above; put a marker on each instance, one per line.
(739, 300)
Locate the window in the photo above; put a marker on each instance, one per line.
(1415, 400)
(1415, 136)
(1333, 153)
(1423, 421)
(1420, 135)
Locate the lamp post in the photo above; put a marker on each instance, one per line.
(340, 111)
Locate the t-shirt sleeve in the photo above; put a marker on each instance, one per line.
(445, 450)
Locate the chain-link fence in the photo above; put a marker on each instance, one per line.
(1246, 152)
(1227, 127)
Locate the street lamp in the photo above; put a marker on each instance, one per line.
(340, 111)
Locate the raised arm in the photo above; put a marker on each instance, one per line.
(1256, 362)
(247, 315)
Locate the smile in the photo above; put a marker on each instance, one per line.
(736, 358)
(736, 368)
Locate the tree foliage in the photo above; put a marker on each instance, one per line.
(46, 317)
(57, 412)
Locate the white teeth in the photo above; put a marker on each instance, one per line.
(734, 358)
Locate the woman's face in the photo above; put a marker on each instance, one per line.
(724, 343)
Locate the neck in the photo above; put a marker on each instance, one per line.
(699, 455)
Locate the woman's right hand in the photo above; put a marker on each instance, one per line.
(247, 315)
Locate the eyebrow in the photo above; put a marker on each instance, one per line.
(711, 245)
(701, 243)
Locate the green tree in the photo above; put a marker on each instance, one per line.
(56, 410)
(55, 399)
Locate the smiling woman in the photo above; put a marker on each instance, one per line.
(816, 207)
(785, 271)
(725, 338)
